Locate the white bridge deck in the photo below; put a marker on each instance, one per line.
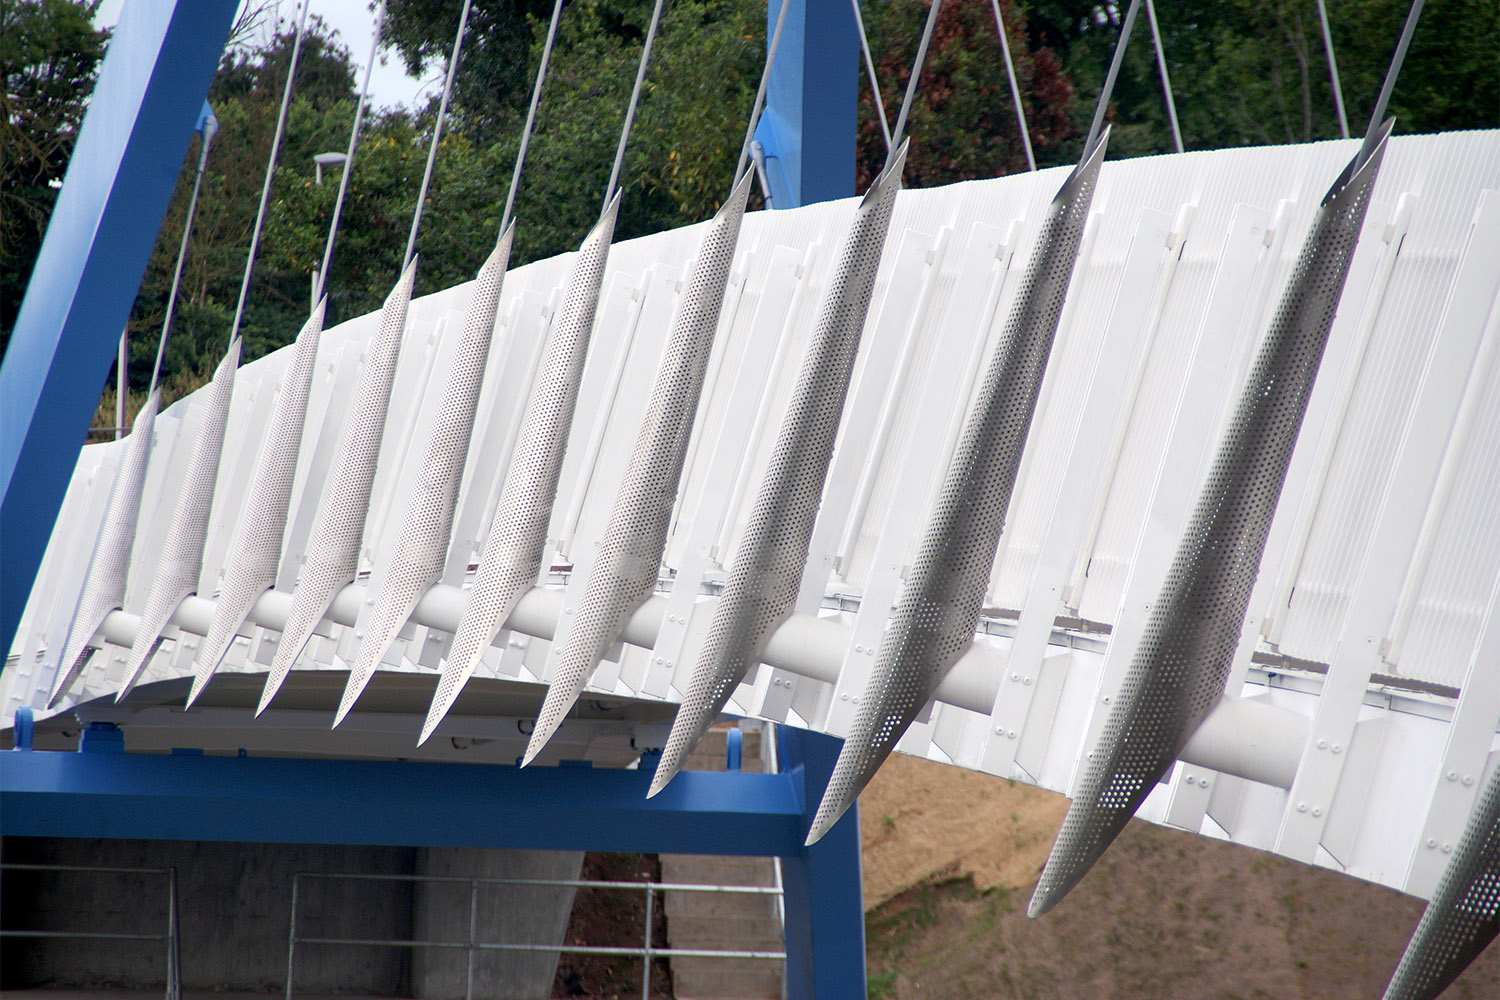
(1366, 693)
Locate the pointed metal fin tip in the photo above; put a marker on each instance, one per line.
(1368, 158)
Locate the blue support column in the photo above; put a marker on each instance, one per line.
(141, 117)
(823, 889)
(811, 103)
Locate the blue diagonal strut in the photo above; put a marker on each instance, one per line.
(141, 117)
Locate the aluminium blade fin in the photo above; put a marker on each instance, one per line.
(768, 565)
(512, 554)
(257, 545)
(109, 568)
(1178, 673)
(333, 551)
(940, 603)
(626, 568)
(1463, 916)
(418, 559)
(181, 560)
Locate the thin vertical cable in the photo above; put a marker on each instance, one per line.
(1166, 81)
(1114, 71)
(437, 133)
(1333, 70)
(635, 97)
(1377, 115)
(899, 132)
(210, 127)
(359, 115)
(536, 96)
(747, 149)
(265, 188)
(864, 47)
(1015, 89)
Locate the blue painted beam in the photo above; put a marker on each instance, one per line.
(130, 147)
(811, 103)
(823, 888)
(277, 800)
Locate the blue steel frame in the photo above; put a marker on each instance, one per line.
(811, 103)
(145, 107)
(141, 118)
(101, 791)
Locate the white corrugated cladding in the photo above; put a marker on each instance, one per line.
(1387, 518)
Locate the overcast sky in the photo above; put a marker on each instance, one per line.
(355, 23)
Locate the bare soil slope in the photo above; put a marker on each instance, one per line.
(951, 856)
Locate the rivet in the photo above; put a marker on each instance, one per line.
(1015, 677)
(1452, 775)
(1322, 744)
(1192, 780)
(844, 697)
(1106, 701)
(1468, 779)
(1011, 734)
(658, 659)
(856, 701)
(1337, 748)
(1431, 843)
(1026, 680)
(1447, 848)
(858, 648)
(999, 730)
(1302, 807)
(1317, 812)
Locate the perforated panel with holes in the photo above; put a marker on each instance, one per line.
(1464, 914)
(104, 586)
(513, 550)
(940, 603)
(625, 570)
(257, 543)
(1177, 675)
(418, 559)
(772, 554)
(181, 558)
(333, 551)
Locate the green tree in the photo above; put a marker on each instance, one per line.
(49, 52)
(963, 120)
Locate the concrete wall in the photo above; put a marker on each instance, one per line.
(508, 914)
(234, 902)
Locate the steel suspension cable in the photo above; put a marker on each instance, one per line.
(635, 97)
(1377, 114)
(1333, 70)
(437, 132)
(1166, 81)
(210, 128)
(864, 46)
(899, 132)
(536, 96)
(359, 115)
(265, 189)
(1015, 89)
(1114, 71)
(746, 152)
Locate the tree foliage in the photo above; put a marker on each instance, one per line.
(49, 52)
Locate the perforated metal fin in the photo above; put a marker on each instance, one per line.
(629, 557)
(513, 551)
(1177, 675)
(768, 566)
(418, 560)
(109, 568)
(181, 560)
(1463, 915)
(257, 545)
(940, 603)
(333, 551)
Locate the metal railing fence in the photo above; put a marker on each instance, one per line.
(172, 936)
(647, 951)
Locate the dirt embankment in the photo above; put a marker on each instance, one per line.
(950, 858)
